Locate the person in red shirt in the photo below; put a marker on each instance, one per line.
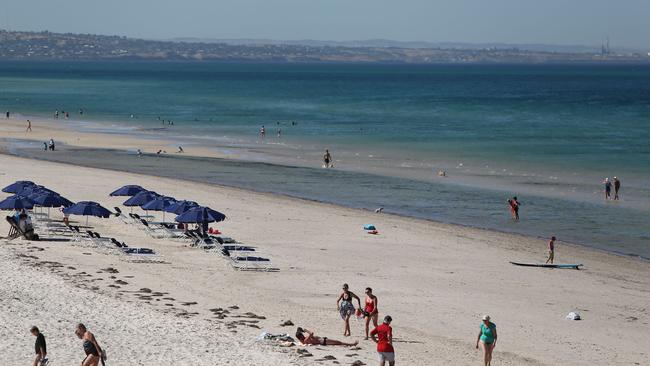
(383, 336)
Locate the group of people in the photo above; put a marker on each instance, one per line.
(608, 188)
(48, 145)
(94, 353)
(66, 114)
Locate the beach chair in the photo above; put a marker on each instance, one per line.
(154, 232)
(122, 216)
(15, 231)
(243, 261)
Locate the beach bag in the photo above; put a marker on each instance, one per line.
(369, 227)
(573, 316)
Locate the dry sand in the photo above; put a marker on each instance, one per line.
(435, 281)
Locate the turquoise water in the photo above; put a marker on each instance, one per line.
(549, 133)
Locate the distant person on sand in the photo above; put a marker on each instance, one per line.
(7, 114)
(487, 336)
(51, 144)
(551, 250)
(383, 336)
(40, 347)
(29, 126)
(45, 146)
(327, 159)
(139, 152)
(91, 348)
(180, 149)
(608, 188)
(319, 341)
(617, 187)
(370, 311)
(514, 207)
(346, 308)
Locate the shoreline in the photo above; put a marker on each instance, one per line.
(412, 264)
(365, 210)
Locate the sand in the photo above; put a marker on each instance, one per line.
(435, 280)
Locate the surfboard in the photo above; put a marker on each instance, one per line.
(542, 265)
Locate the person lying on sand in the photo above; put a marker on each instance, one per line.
(91, 347)
(319, 341)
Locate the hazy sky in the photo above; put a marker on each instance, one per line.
(587, 22)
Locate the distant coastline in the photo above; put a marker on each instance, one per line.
(44, 46)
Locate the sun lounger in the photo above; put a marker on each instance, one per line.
(15, 231)
(154, 232)
(242, 261)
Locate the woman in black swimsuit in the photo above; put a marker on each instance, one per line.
(319, 341)
(91, 347)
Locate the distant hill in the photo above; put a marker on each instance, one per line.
(68, 46)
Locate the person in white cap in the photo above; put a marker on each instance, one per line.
(487, 336)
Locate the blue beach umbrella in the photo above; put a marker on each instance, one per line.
(48, 199)
(17, 186)
(128, 190)
(180, 207)
(159, 203)
(141, 198)
(87, 208)
(16, 202)
(200, 215)
(34, 190)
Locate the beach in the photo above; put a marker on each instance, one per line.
(436, 281)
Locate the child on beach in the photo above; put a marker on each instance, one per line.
(40, 348)
(551, 250)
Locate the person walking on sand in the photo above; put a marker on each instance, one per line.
(608, 188)
(370, 311)
(40, 347)
(319, 341)
(327, 159)
(514, 207)
(346, 308)
(383, 336)
(487, 336)
(91, 348)
(551, 250)
(29, 126)
(617, 187)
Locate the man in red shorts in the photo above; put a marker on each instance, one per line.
(383, 336)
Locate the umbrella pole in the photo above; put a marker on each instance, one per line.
(86, 220)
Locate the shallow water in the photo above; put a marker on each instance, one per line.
(610, 227)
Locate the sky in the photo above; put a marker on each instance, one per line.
(561, 22)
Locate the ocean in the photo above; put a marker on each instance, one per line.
(548, 134)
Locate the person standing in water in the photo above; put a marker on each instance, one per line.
(551, 250)
(514, 207)
(40, 347)
(91, 348)
(327, 159)
(617, 187)
(29, 126)
(383, 336)
(370, 311)
(608, 188)
(262, 132)
(346, 308)
(487, 336)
